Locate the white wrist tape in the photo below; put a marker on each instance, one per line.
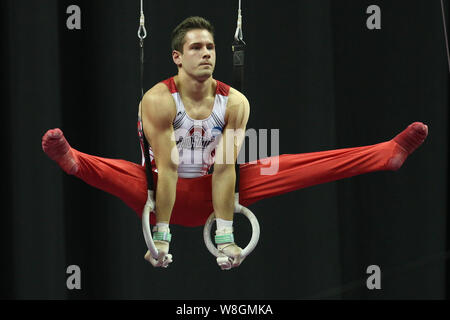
(223, 224)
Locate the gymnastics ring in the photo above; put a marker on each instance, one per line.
(149, 207)
(238, 208)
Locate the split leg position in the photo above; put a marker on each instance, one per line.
(193, 204)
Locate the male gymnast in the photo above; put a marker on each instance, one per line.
(190, 121)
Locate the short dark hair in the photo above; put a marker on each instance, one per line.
(186, 25)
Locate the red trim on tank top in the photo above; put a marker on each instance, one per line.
(222, 88)
(170, 84)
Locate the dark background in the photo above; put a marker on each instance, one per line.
(313, 70)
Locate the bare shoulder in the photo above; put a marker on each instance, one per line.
(238, 109)
(158, 103)
(235, 97)
(159, 96)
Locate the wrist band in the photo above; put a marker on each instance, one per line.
(225, 238)
(162, 236)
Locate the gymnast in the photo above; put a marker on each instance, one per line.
(190, 121)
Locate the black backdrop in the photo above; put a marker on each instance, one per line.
(313, 70)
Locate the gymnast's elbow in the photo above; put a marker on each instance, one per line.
(224, 169)
(169, 169)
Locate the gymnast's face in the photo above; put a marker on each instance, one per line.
(198, 58)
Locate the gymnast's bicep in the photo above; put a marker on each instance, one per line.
(238, 113)
(158, 115)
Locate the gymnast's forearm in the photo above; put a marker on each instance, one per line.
(165, 194)
(223, 182)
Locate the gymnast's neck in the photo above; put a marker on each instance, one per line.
(195, 89)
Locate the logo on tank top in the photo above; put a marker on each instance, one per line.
(197, 144)
(197, 138)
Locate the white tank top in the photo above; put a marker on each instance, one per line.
(195, 139)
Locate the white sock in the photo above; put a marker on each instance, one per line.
(223, 224)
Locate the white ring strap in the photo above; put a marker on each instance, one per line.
(238, 36)
(142, 32)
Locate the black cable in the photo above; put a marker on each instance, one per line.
(238, 49)
(445, 34)
(146, 145)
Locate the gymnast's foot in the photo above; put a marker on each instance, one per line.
(58, 149)
(407, 141)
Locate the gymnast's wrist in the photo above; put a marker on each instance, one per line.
(161, 232)
(224, 236)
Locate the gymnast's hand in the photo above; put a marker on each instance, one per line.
(230, 256)
(229, 253)
(164, 258)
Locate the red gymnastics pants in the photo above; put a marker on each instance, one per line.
(193, 204)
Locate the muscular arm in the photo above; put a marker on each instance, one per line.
(224, 175)
(158, 114)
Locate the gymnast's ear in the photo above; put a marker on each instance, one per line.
(177, 57)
